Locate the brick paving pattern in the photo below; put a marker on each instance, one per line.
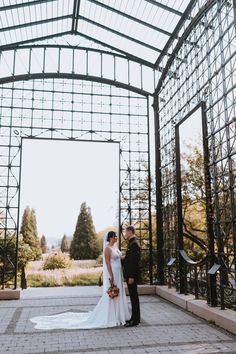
(164, 328)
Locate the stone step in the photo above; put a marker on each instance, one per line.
(10, 294)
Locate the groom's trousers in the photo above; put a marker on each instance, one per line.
(133, 293)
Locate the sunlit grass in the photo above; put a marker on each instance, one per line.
(41, 280)
(80, 273)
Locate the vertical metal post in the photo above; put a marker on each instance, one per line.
(221, 242)
(101, 63)
(44, 59)
(114, 67)
(159, 216)
(180, 242)
(234, 5)
(59, 60)
(129, 169)
(87, 63)
(209, 211)
(30, 54)
(149, 201)
(119, 215)
(73, 62)
(18, 218)
(195, 282)
(72, 108)
(141, 76)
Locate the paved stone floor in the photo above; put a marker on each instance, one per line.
(164, 328)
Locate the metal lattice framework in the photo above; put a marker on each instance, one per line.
(87, 70)
(132, 28)
(77, 41)
(204, 67)
(75, 111)
(81, 70)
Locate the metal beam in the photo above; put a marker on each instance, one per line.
(165, 7)
(128, 55)
(159, 199)
(50, 75)
(35, 23)
(75, 16)
(120, 34)
(63, 46)
(18, 44)
(193, 23)
(234, 5)
(24, 4)
(135, 19)
(175, 32)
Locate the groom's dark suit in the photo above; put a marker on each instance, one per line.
(131, 270)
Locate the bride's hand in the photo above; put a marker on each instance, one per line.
(111, 280)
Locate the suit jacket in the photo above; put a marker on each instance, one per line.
(132, 260)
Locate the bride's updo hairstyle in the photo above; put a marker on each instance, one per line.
(110, 235)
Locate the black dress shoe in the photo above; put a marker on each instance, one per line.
(131, 324)
(128, 321)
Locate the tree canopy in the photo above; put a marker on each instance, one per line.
(65, 244)
(43, 244)
(84, 244)
(30, 234)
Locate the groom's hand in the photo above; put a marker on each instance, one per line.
(130, 281)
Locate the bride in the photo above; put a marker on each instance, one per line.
(109, 312)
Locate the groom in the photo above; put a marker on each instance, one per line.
(131, 274)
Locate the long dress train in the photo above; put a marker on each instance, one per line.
(107, 313)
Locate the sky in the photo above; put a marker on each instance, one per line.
(190, 136)
(57, 176)
(191, 128)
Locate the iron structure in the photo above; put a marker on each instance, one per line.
(74, 110)
(86, 70)
(204, 73)
(70, 70)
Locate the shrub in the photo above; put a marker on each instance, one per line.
(48, 280)
(56, 260)
(99, 260)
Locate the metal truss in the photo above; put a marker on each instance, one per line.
(203, 67)
(73, 110)
(27, 62)
(31, 21)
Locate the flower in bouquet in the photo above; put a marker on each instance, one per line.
(113, 291)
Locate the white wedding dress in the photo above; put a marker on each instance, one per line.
(107, 313)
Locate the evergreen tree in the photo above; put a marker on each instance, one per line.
(84, 244)
(30, 234)
(43, 244)
(25, 226)
(36, 245)
(65, 244)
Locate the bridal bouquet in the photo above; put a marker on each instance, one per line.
(113, 291)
